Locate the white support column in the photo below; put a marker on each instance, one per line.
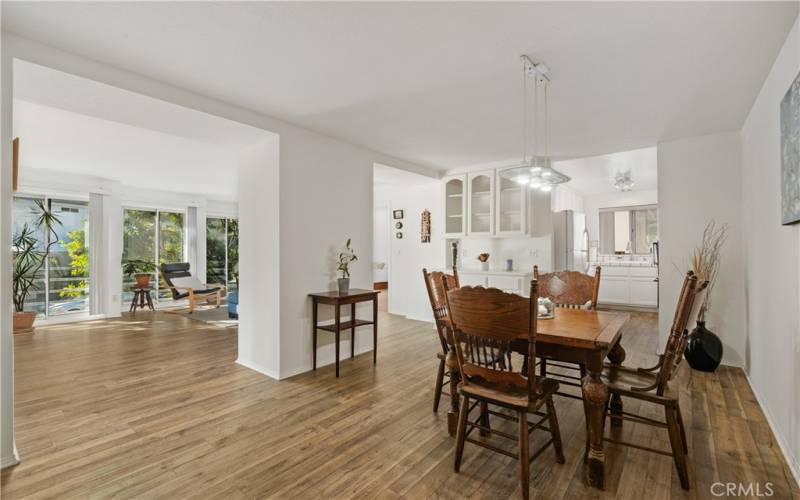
(259, 258)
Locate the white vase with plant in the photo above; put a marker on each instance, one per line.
(346, 256)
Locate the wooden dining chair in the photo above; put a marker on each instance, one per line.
(445, 375)
(573, 290)
(487, 324)
(651, 385)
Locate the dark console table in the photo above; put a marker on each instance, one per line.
(337, 300)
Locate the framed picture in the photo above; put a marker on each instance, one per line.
(790, 154)
(397, 214)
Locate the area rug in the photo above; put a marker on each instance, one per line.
(217, 316)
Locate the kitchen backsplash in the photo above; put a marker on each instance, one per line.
(525, 252)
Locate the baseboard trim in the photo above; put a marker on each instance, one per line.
(256, 367)
(304, 369)
(10, 460)
(783, 444)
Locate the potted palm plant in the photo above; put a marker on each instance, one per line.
(346, 256)
(141, 270)
(29, 255)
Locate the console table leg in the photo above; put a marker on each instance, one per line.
(353, 331)
(338, 336)
(314, 330)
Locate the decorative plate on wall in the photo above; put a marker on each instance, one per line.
(399, 236)
(398, 225)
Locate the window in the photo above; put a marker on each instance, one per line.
(155, 236)
(628, 230)
(62, 285)
(222, 251)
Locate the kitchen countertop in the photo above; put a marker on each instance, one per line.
(622, 263)
(515, 272)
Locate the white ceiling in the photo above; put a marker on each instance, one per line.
(439, 83)
(72, 125)
(595, 174)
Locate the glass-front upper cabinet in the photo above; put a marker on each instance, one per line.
(481, 203)
(455, 205)
(510, 206)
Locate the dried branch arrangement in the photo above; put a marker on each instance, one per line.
(705, 261)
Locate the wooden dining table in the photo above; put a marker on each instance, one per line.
(587, 337)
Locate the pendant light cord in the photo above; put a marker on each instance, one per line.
(546, 122)
(524, 111)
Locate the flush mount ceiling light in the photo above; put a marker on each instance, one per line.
(535, 172)
(623, 181)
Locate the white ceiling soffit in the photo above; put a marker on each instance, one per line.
(68, 143)
(42, 85)
(438, 83)
(595, 175)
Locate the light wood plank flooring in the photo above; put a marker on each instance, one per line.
(154, 407)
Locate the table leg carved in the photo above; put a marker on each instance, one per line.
(616, 355)
(595, 397)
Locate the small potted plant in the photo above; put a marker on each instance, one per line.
(29, 256)
(140, 269)
(346, 256)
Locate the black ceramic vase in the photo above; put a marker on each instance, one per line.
(704, 349)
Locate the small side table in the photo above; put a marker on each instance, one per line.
(141, 297)
(337, 300)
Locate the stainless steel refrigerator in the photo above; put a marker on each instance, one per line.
(570, 241)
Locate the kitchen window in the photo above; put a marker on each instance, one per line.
(628, 230)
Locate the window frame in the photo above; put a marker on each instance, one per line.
(156, 243)
(227, 220)
(47, 198)
(631, 224)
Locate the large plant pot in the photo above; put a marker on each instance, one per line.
(143, 280)
(344, 285)
(704, 349)
(23, 322)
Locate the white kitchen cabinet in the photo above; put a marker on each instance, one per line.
(509, 281)
(480, 203)
(628, 286)
(455, 205)
(511, 207)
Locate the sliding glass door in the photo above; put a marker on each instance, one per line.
(62, 285)
(222, 251)
(155, 236)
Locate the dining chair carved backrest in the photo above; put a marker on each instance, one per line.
(678, 334)
(486, 323)
(569, 289)
(435, 287)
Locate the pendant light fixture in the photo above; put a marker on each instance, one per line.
(536, 172)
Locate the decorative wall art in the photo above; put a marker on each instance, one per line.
(397, 214)
(399, 235)
(425, 231)
(398, 225)
(790, 154)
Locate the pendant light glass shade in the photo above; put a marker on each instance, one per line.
(536, 172)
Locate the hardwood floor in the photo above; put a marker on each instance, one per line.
(155, 407)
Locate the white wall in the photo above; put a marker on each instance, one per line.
(698, 180)
(381, 232)
(407, 256)
(259, 258)
(772, 261)
(593, 204)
